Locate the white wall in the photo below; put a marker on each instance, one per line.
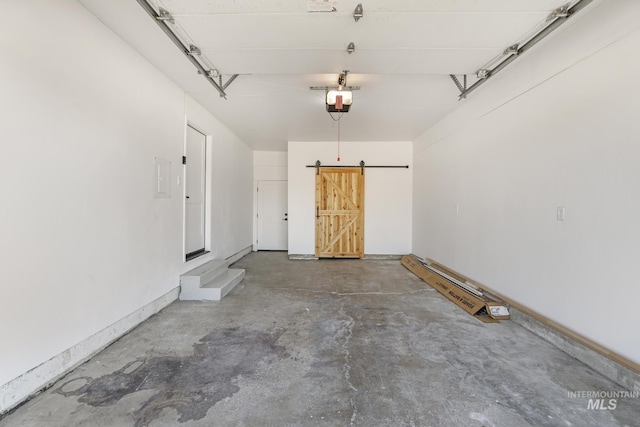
(267, 166)
(84, 243)
(270, 165)
(559, 127)
(388, 192)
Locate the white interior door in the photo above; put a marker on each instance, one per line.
(272, 216)
(195, 191)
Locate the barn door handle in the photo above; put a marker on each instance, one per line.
(317, 212)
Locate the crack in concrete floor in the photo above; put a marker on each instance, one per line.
(346, 294)
(348, 331)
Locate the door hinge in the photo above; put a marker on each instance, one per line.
(184, 160)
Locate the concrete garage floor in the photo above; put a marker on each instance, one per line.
(327, 343)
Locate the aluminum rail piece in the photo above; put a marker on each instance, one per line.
(160, 20)
(453, 280)
(528, 45)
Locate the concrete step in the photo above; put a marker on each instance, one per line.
(196, 278)
(215, 289)
(226, 282)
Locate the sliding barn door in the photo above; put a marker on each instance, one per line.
(340, 213)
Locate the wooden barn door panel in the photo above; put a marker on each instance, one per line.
(340, 213)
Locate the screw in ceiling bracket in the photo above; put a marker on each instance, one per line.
(561, 12)
(483, 73)
(194, 50)
(514, 49)
(164, 15)
(358, 12)
(351, 48)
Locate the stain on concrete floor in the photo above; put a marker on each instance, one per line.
(191, 385)
(349, 343)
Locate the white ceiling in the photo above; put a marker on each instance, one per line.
(405, 51)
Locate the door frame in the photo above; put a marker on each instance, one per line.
(208, 181)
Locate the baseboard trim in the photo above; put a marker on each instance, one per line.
(43, 376)
(534, 322)
(302, 257)
(576, 347)
(383, 257)
(612, 365)
(309, 257)
(240, 254)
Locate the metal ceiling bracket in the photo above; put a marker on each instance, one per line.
(461, 87)
(561, 12)
(351, 48)
(164, 15)
(162, 20)
(483, 73)
(514, 49)
(358, 12)
(342, 79)
(231, 79)
(226, 85)
(558, 16)
(194, 50)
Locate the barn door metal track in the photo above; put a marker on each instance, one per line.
(361, 165)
